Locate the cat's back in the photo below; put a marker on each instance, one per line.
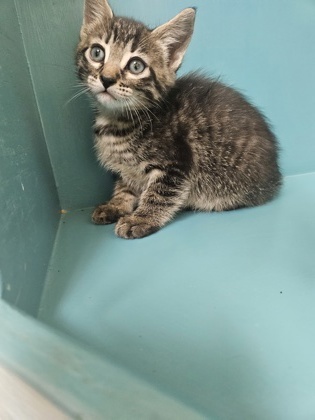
(214, 100)
(215, 113)
(230, 139)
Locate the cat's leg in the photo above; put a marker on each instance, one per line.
(123, 202)
(157, 205)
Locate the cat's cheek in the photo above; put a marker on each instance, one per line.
(132, 227)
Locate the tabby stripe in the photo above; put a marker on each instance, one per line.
(83, 71)
(156, 82)
(121, 153)
(111, 130)
(172, 175)
(175, 173)
(108, 36)
(149, 95)
(115, 29)
(244, 150)
(174, 183)
(135, 41)
(125, 191)
(147, 79)
(167, 193)
(119, 145)
(157, 203)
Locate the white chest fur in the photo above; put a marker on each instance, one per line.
(118, 155)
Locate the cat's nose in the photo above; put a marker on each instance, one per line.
(107, 81)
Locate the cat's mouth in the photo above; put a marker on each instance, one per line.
(105, 95)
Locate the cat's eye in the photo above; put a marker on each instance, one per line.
(136, 66)
(97, 53)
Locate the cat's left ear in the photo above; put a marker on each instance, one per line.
(96, 11)
(175, 36)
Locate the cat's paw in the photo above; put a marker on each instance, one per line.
(133, 227)
(105, 214)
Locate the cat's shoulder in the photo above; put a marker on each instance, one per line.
(206, 90)
(198, 80)
(200, 85)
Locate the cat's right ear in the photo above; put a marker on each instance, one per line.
(95, 11)
(175, 36)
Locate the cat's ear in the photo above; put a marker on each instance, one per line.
(96, 11)
(175, 36)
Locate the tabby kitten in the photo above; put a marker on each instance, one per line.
(186, 143)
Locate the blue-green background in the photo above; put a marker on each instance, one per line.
(216, 310)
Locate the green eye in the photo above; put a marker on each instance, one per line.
(97, 53)
(136, 66)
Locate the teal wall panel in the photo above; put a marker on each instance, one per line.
(51, 31)
(29, 204)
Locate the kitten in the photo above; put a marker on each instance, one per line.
(187, 143)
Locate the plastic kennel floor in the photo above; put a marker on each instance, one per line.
(215, 309)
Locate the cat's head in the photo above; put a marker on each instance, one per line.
(126, 65)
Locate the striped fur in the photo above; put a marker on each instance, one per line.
(186, 143)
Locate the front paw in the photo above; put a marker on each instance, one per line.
(133, 227)
(105, 214)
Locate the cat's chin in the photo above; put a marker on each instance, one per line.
(105, 98)
(108, 102)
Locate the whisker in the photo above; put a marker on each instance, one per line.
(77, 95)
(146, 113)
(139, 118)
(157, 103)
(79, 85)
(145, 109)
(128, 109)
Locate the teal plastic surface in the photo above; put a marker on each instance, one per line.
(85, 386)
(29, 205)
(215, 313)
(216, 309)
